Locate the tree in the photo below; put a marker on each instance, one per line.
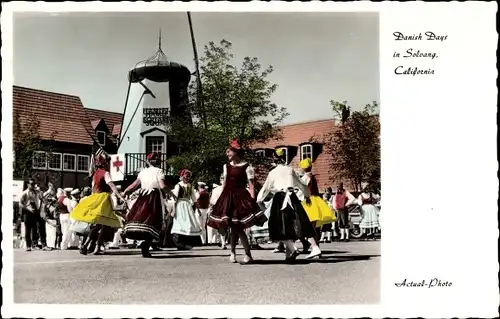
(234, 103)
(27, 141)
(354, 147)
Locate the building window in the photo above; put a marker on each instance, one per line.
(155, 144)
(306, 151)
(260, 153)
(39, 160)
(286, 153)
(69, 162)
(54, 161)
(101, 138)
(82, 164)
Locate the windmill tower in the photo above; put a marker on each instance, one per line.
(157, 90)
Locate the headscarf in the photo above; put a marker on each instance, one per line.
(235, 146)
(306, 163)
(101, 160)
(184, 172)
(153, 158)
(279, 156)
(60, 192)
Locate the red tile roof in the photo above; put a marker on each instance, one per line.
(95, 123)
(116, 130)
(60, 115)
(300, 133)
(113, 119)
(295, 134)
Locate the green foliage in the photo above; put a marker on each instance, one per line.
(354, 147)
(337, 108)
(231, 103)
(27, 140)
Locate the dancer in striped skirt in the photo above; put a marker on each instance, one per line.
(145, 219)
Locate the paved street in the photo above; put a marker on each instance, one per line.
(348, 274)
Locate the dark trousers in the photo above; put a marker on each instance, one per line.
(343, 218)
(34, 226)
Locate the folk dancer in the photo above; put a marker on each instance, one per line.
(318, 211)
(74, 241)
(120, 209)
(328, 229)
(50, 213)
(340, 201)
(168, 239)
(130, 200)
(202, 208)
(288, 221)
(86, 192)
(66, 204)
(369, 218)
(185, 222)
(145, 219)
(261, 231)
(213, 234)
(255, 232)
(97, 209)
(236, 208)
(30, 204)
(50, 190)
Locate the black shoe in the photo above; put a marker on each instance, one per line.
(83, 250)
(293, 257)
(145, 252)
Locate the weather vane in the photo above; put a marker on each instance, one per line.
(159, 41)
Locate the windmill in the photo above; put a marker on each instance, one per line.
(157, 92)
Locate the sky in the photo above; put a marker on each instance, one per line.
(317, 57)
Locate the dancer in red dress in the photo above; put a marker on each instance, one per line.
(97, 209)
(236, 207)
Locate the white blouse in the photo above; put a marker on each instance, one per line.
(250, 171)
(177, 190)
(306, 178)
(279, 180)
(150, 177)
(215, 195)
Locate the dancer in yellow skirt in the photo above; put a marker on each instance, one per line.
(318, 211)
(97, 209)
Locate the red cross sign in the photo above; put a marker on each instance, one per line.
(117, 164)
